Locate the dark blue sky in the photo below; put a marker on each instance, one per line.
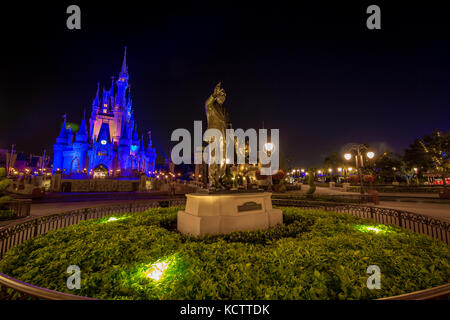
(315, 72)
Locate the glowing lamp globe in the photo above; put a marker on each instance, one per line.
(370, 154)
(269, 147)
(347, 156)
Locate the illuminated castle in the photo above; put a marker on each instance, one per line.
(112, 145)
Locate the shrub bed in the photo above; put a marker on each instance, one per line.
(314, 255)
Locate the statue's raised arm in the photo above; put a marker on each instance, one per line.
(216, 114)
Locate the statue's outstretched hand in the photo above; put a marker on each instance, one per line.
(217, 89)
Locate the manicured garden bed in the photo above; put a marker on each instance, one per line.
(315, 255)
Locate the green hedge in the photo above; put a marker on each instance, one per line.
(315, 255)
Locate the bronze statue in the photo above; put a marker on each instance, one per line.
(217, 118)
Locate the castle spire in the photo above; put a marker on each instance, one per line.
(95, 102)
(142, 143)
(149, 145)
(124, 131)
(63, 133)
(111, 93)
(124, 70)
(135, 136)
(82, 132)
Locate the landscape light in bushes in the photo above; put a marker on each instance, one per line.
(112, 219)
(157, 270)
(369, 228)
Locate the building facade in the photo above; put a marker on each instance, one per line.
(111, 145)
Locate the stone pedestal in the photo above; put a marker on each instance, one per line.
(345, 186)
(225, 213)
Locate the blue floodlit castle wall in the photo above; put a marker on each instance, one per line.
(111, 146)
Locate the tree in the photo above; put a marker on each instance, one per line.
(335, 160)
(432, 153)
(384, 166)
(4, 184)
(312, 186)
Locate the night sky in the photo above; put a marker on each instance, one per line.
(315, 72)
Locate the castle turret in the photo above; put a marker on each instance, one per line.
(82, 134)
(122, 82)
(95, 103)
(135, 137)
(124, 146)
(58, 149)
(95, 110)
(150, 154)
(81, 146)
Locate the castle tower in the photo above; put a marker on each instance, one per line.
(123, 149)
(122, 82)
(151, 154)
(80, 147)
(59, 147)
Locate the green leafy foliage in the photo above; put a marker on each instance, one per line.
(312, 186)
(4, 184)
(314, 255)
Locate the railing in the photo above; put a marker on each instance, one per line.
(412, 221)
(11, 236)
(16, 234)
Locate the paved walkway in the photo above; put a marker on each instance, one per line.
(436, 210)
(337, 192)
(412, 202)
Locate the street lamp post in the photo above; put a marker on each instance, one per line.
(268, 147)
(359, 159)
